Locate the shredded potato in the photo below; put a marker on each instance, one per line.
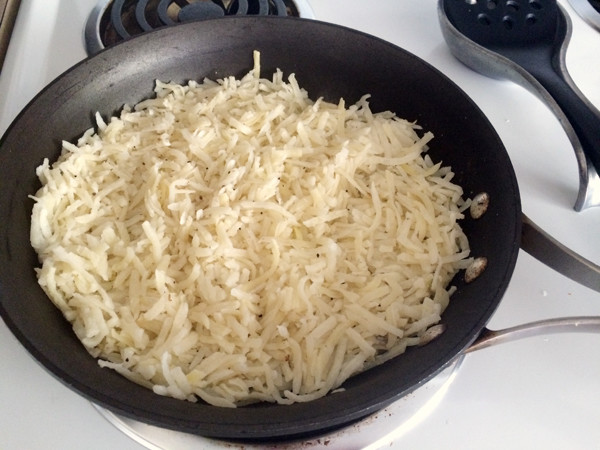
(235, 241)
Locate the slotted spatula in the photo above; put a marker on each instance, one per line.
(525, 41)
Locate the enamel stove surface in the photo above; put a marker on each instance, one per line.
(540, 392)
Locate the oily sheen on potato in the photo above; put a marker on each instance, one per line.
(235, 241)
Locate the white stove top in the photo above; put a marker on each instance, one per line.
(541, 392)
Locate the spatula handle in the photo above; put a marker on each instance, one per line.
(583, 117)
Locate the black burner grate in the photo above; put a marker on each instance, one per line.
(117, 20)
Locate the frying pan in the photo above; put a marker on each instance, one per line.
(329, 61)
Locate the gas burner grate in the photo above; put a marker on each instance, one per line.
(113, 21)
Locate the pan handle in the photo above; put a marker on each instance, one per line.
(583, 324)
(549, 251)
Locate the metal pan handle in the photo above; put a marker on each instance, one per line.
(583, 324)
(549, 251)
(552, 253)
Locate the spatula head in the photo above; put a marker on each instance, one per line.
(504, 22)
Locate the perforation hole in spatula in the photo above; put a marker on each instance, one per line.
(512, 20)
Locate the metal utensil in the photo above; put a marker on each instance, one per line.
(525, 41)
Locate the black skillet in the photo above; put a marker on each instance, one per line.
(329, 61)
